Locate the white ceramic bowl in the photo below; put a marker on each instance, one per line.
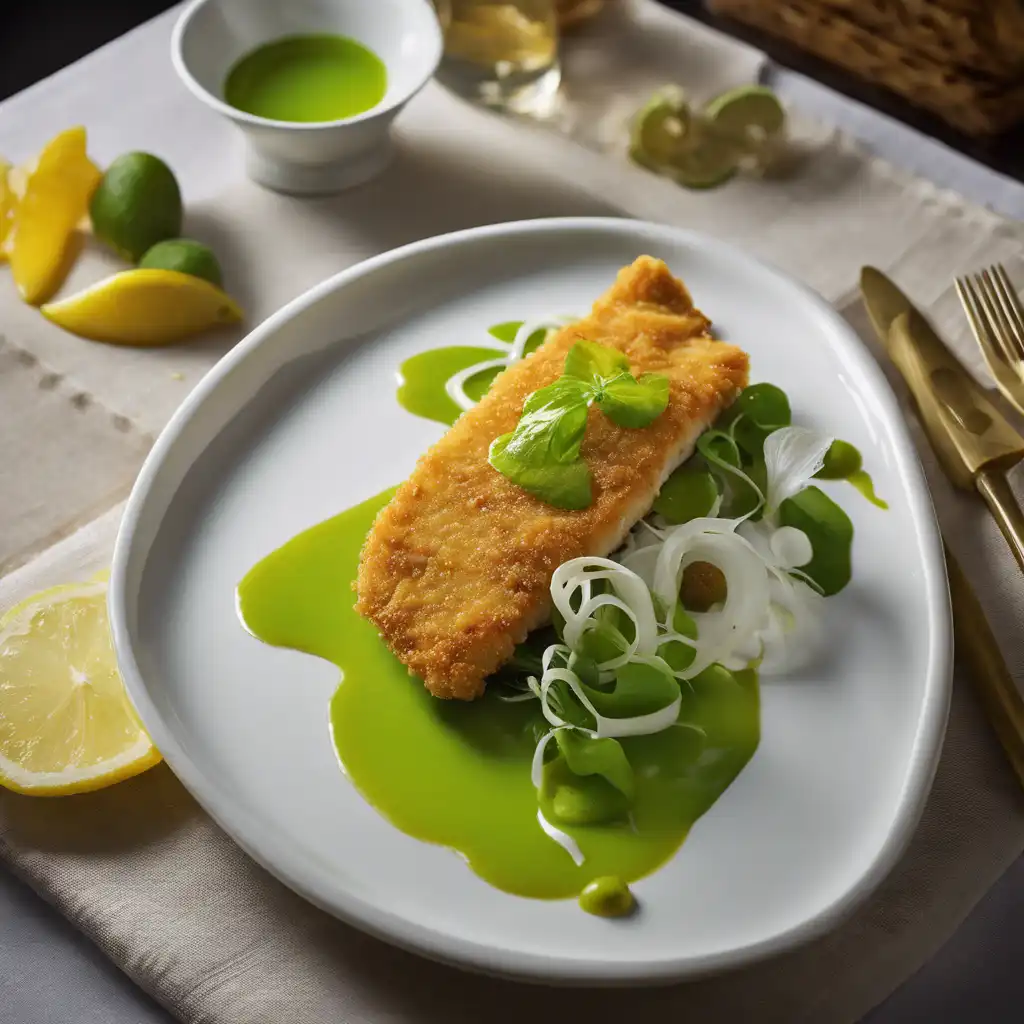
(323, 156)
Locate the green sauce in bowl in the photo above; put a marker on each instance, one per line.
(307, 78)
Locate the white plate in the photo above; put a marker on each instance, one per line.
(300, 421)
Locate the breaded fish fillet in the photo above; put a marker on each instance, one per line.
(457, 568)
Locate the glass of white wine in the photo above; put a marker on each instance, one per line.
(503, 53)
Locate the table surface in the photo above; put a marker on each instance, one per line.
(49, 972)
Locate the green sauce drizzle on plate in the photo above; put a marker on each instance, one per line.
(458, 774)
(423, 377)
(844, 462)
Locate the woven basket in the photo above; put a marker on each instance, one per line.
(961, 59)
(977, 35)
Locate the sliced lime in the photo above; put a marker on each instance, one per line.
(711, 161)
(660, 130)
(750, 112)
(670, 139)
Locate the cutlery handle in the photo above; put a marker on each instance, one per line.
(992, 681)
(994, 488)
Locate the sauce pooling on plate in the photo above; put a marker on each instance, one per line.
(458, 773)
(307, 78)
(844, 462)
(423, 378)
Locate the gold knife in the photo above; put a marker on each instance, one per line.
(975, 445)
(974, 441)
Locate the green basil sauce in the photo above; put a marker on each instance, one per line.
(421, 390)
(458, 774)
(844, 462)
(308, 78)
(607, 897)
(422, 377)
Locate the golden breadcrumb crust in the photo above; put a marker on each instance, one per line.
(457, 568)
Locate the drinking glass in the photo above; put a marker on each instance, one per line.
(503, 53)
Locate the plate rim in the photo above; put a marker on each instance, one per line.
(439, 946)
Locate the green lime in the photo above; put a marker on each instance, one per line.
(660, 130)
(136, 205)
(185, 256)
(671, 140)
(710, 162)
(750, 114)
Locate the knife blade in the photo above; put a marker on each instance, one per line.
(974, 443)
(969, 434)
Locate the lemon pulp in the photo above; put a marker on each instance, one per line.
(67, 724)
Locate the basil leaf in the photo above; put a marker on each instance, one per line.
(634, 403)
(602, 643)
(585, 668)
(560, 484)
(552, 425)
(640, 689)
(830, 532)
(542, 455)
(689, 493)
(605, 757)
(758, 411)
(593, 363)
(766, 405)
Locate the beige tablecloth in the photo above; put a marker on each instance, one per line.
(140, 868)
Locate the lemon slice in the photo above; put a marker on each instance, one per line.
(660, 130)
(67, 724)
(144, 307)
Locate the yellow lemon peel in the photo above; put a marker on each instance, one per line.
(144, 307)
(55, 197)
(68, 725)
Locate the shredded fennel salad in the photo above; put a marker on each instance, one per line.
(727, 573)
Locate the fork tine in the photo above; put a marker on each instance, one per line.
(1011, 306)
(997, 322)
(980, 327)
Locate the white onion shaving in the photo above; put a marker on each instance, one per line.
(770, 613)
(537, 767)
(792, 455)
(564, 840)
(791, 547)
(455, 386)
(633, 598)
(722, 630)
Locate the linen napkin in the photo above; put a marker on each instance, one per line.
(140, 867)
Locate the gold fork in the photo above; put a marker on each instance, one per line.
(996, 317)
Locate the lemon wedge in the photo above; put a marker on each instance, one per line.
(56, 197)
(144, 307)
(67, 724)
(8, 201)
